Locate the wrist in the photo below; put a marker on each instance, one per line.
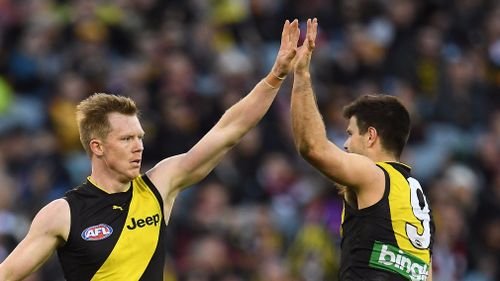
(302, 73)
(273, 80)
(278, 76)
(279, 72)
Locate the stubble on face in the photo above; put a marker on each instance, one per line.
(125, 147)
(354, 143)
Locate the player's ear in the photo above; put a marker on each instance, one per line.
(372, 136)
(96, 147)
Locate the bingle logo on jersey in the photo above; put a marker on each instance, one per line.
(97, 232)
(389, 257)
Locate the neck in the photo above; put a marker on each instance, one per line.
(109, 186)
(383, 157)
(104, 179)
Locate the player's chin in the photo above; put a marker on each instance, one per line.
(134, 173)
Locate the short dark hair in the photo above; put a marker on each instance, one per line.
(92, 115)
(384, 113)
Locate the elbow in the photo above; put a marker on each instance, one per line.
(302, 148)
(309, 150)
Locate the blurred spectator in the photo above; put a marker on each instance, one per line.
(263, 214)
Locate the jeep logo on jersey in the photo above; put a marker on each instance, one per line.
(155, 219)
(97, 232)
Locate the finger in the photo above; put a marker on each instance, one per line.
(285, 33)
(294, 33)
(315, 28)
(312, 31)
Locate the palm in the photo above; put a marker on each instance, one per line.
(303, 57)
(288, 48)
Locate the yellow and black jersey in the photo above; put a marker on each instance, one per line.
(119, 236)
(391, 240)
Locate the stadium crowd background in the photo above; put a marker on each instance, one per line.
(263, 214)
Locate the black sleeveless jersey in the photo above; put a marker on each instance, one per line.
(119, 236)
(392, 239)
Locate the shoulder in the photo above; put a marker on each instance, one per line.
(56, 207)
(54, 218)
(167, 165)
(55, 212)
(164, 175)
(76, 191)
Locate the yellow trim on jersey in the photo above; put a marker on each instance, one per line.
(342, 219)
(401, 212)
(138, 240)
(91, 180)
(403, 164)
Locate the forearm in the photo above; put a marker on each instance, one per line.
(184, 170)
(49, 229)
(3, 273)
(245, 114)
(236, 121)
(307, 124)
(429, 278)
(11, 269)
(26, 258)
(7, 274)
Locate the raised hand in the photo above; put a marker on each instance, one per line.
(288, 49)
(303, 58)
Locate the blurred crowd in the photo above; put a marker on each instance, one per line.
(263, 214)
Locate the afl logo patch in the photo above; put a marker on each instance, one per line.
(97, 232)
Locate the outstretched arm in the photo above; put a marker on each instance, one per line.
(177, 172)
(429, 278)
(49, 229)
(309, 130)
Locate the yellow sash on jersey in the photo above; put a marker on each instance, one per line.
(138, 240)
(402, 214)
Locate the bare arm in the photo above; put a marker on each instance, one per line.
(177, 172)
(309, 130)
(429, 278)
(49, 229)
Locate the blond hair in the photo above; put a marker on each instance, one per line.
(92, 115)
